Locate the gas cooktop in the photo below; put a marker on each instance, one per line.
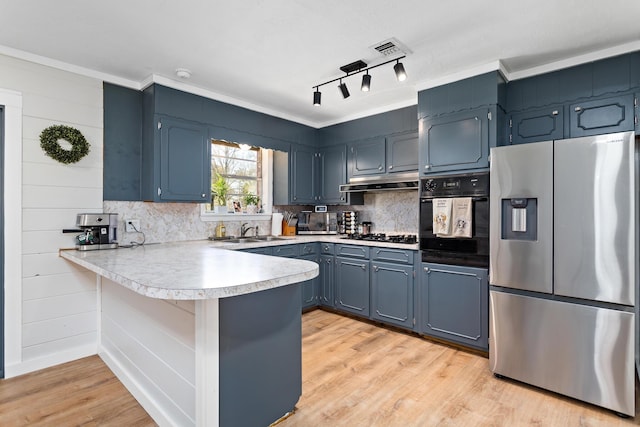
(409, 239)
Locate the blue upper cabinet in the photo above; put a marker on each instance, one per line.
(368, 157)
(459, 123)
(458, 141)
(304, 175)
(483, 90)
(402, 152)
(333, 173)
(588, 99)
(185, 161)
(316, 176)
(384, 155)
(608, 115)
(538, 125)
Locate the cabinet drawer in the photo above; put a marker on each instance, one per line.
(392, 255)
(327, 248)
(353, 251)
(308, 248)
(286, 250)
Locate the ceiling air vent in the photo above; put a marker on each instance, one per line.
(391, 47)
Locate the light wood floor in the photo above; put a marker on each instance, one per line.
(354, 374)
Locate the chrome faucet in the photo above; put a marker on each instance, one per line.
(243, 229)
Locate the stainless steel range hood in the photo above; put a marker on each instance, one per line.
(401, 181)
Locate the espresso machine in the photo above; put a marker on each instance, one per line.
(99, 231)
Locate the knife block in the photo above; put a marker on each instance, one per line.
(288, 230)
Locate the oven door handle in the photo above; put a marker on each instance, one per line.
(475, 199)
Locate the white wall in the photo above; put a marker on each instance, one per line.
(51, 304)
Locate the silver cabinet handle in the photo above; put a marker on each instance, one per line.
(577, 109)
(426, 269)
(427, 166)
(203, 195)
(554, 113)
(376, 268)
(390, 166)
(379, 167)
(364, 267)
(328, 261)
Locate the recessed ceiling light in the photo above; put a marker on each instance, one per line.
(183, 73)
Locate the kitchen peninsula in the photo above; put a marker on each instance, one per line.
(201, 335)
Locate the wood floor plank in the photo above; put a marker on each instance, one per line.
(354, 373)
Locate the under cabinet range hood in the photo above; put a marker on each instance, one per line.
(400, 181)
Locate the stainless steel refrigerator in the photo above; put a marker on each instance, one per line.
(564, 267)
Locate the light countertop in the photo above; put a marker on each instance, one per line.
(192, 270)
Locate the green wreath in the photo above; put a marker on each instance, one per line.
(49, 142)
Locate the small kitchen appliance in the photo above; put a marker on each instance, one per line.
(99, 231)
(317, 223)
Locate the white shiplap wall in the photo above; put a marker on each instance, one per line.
(53, 316)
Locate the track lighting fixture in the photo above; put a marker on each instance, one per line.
(366, 83)
(344, 90)
(356, 68)
(401, 75)
(317, 97)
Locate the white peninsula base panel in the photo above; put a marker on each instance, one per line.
(150, 344)
(212, 362)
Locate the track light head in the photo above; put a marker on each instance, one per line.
(344, 90)
(366, 83)
(317, 97)
(401, 75)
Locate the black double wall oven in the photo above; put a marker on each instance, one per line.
(466, 251)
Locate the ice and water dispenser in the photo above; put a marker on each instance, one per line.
(520, 219)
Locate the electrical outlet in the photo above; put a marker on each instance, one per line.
(132, 225)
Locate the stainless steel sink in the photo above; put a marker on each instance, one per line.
(252, 239)
(267, 238)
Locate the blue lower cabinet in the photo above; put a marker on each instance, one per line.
(326, 285)
(392, 293)
(310, 287)
(352, 285)
(454, 304)
(262, 251)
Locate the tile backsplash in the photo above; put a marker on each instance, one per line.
(391, 212)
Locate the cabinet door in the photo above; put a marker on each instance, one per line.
(455, 141)
(325, 293)
(368, 157)
(454, 304)
(310, 287)
(402, 152)
(352, 285)
(539, 125)
(392, 293)
(333, 170)
(185, 161)
(303, 175)
(602, 116)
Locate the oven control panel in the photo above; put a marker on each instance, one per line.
(475, 184)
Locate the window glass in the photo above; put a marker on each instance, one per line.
(236, 171)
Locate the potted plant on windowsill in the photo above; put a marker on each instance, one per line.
(251, 201)
(219, 190)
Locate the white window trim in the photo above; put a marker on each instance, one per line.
(267, 197)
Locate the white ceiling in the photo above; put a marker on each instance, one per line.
(267, 55)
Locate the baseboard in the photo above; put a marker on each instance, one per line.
(24, 367)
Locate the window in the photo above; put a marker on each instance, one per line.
(237, 171)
